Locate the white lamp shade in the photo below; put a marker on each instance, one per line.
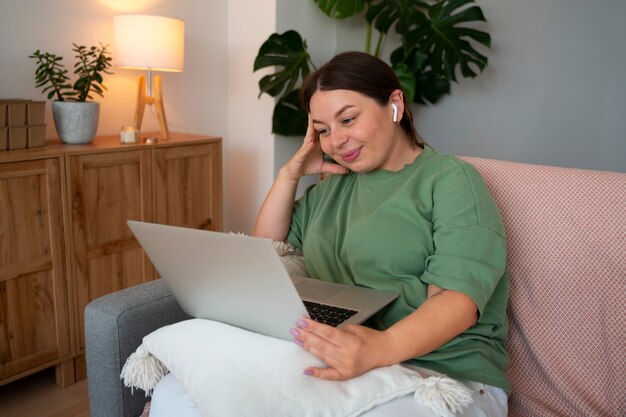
(145, 41)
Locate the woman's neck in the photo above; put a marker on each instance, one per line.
(405, 151)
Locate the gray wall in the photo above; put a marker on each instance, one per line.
(554, 92)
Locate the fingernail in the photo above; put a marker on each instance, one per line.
(294, 332)
(298, 342)
(301, 323)
(308, 372)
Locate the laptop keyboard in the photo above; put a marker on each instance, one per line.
(331, 315)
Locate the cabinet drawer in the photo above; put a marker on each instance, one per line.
(187, 186)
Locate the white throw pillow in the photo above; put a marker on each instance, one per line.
(233, 372)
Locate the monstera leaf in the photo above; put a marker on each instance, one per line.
(384, 14)
(289, 119)
(341, 9)
(407, 79)
(288, 51)
(450, 44)
(436, 44)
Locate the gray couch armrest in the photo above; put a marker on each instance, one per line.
(115, 325)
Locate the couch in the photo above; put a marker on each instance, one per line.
(566, 237)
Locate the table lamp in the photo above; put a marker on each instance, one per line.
(152, 43)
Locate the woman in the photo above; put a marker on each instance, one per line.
(394, 215)
(397, 216)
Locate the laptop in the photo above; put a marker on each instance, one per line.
(240, 280)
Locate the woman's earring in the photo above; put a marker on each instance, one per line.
(395, 112)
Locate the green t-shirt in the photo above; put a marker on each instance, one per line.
(435, 222)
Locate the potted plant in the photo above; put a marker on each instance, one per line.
(75, 118)
(438, 44)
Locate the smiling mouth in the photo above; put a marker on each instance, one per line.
(350, 155)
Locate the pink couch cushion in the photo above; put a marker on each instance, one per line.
(566, 237)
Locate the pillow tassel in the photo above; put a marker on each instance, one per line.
(444, 396)
(142, 370)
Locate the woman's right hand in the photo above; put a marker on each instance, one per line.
(274, 217)
(308, 160)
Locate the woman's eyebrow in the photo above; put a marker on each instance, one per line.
(341, 110)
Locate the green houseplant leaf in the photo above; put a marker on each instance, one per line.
(52, 75)
(288, 51)
(384, 14)
(289, 118)
(436, 45)
(90, 63)
(341, 9)
(406, 78)
(451, 46)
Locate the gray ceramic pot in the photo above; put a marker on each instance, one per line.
(75, 121)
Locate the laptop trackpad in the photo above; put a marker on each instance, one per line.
(316, 290)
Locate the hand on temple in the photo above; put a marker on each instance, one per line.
(308, 160)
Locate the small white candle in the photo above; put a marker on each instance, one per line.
(128, 134)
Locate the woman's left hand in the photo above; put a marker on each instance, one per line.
(348, 351)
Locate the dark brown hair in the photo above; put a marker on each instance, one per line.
(364, 74)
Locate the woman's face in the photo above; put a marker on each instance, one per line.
(357, 132)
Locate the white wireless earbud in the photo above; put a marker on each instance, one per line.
(395, 112)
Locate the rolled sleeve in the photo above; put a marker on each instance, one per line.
(468, 235)
(470, 260)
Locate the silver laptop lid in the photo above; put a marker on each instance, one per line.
(217, 276)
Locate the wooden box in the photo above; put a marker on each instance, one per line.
(36, 135)
(16, 114)
(4, 138)
(22, 124)
(35, 111)
(3, 114)
(17, 137)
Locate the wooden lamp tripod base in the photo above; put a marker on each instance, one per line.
(157, 99)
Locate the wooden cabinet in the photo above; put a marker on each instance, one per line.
(35, 325)
(106, 190)
(64, 239)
